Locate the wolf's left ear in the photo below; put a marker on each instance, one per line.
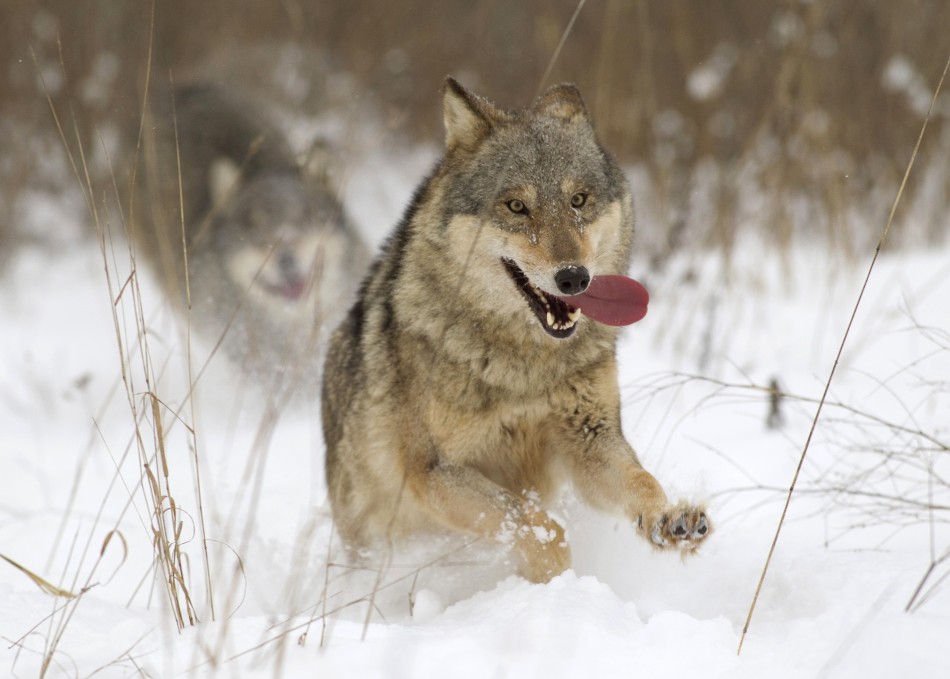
(561, 101)
(223, 177)
(468, 117)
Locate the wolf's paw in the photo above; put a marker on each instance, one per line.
(681, 526)
(543, 551)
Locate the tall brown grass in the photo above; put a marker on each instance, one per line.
(790, 119)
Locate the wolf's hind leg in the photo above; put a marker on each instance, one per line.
(466, 500)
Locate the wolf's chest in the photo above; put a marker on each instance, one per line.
(512, 444)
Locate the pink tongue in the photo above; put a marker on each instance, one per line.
(292, 288)
(612, 300)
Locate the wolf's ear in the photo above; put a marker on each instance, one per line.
(222, 178)
(468, 117)
(320, 165)
(561, 101)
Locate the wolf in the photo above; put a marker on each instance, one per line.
(255, 240)
(474, 375)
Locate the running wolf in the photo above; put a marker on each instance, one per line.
(270, 253)
(476, 372)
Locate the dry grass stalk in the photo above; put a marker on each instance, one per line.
(39, 581)
(146, 408)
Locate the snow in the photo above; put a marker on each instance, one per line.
(708, 79)
(901, 76)
(853, 549)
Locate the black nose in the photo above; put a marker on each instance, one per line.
(287, 263)
(572, 280)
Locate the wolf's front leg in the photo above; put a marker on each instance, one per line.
(609, 476)
(467, 501)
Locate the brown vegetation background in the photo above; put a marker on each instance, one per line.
(794, 118)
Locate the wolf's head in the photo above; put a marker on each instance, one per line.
(534, 208)
(271, 231)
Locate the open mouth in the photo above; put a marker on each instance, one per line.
(557, 317)
(290, 288)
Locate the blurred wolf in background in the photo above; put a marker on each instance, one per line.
(477, 371)
(270, 256)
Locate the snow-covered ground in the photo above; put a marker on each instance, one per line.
(859, 536)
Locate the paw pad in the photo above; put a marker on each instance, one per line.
(681, 527)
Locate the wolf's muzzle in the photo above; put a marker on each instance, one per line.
(558, 318)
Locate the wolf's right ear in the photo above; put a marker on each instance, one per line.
(223, 177)
(321, 166)
(562, 101)
(468, 117)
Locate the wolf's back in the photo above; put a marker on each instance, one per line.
(213, 123)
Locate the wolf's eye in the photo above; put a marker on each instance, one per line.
(578, 200)
(517, 206)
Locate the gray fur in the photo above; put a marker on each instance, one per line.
(271, 256)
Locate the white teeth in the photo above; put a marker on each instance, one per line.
(560, 326)
(553, 322)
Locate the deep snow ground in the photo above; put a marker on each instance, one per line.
(857, 540)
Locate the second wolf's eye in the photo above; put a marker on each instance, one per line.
(578, 200)
(517, 206)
